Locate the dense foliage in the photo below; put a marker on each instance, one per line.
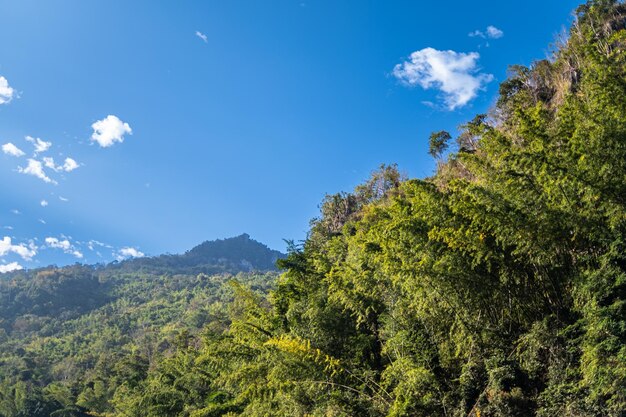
(73, 339)
(495, 288)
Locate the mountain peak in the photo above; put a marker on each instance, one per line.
(239, 250)
(235, 254)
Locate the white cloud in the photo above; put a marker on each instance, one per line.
(110, 130)
(63, 199)
(69, 164)
(11, 149)
(494, 33)
(202, 36)
(6, 92)
(13, 266)
(43, 203)
(53, 242)
(93, 243)
(16, 212)
(26, 252)
(42, 221)
(35, 168)
(64, 245)
(491, 32)
(40, 145)
(129, 252)
(49, 162)
(454, 74)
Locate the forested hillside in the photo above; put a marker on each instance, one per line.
(72, 337)
(497, 287)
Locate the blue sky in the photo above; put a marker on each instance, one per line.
(164, 124)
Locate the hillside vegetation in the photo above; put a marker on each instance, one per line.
(497, 287)
(71, 337)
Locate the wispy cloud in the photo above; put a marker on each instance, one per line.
(11, 149)
(69, 164)
(26, 252)
(35, 168)
(43, 203)
(6, 92)
(93, 243)
(54, 242)
(494, 33)
(202, 36)
(49, 162)
(63, 199)
(454, 74)
(108, 131)
(40, 145)
(64, 245)
(491, 32)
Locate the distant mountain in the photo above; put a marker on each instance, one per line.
(241, 250)
(231, 255)
(70, 291)
(71, 336)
